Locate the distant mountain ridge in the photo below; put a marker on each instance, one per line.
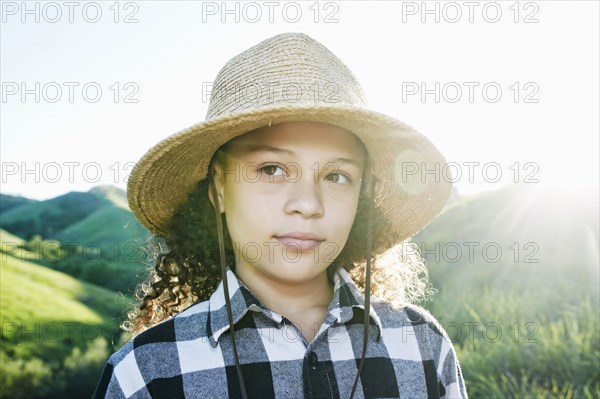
(100, 240)
(98, 215)
(8, 202)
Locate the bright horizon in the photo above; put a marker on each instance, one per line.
(514, 93)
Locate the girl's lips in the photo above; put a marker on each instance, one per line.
(298, 243)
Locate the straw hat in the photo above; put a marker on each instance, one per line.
(292, 77)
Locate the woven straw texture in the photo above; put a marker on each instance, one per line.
(292, 77)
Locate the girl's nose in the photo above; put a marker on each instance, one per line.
(305, 198)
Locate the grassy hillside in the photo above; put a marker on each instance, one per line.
(100, 213)
(6, 237)
(48, 218)
(100, 240)
(105, 226)
(111, 227)
(517, 274)
(56, 331)
(34, 295)
(10, 201)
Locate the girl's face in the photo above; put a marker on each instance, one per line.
(290, 195)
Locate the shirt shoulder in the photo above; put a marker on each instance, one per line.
(187, 325)
(153, 354)
(412, 333)
(409, 315)
(414, 330)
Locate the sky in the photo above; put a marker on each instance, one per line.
(508, 91)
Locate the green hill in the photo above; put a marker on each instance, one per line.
(106, 225)
(517, 274)
(100, 240)
(34, 295)
(48, 218)
(11, 201)
(55, 331)
(64, 217)
(6, 237)
(513, 236)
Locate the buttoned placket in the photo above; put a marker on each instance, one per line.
(316, 375)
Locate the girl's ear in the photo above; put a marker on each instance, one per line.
(217, 175)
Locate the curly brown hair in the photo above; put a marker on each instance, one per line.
(189, 270)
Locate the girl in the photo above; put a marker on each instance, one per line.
(273, 211)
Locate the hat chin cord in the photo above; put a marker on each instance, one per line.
(367, 318)
(366, 321)
(238, 367)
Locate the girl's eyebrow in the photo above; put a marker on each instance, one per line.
(268, 148)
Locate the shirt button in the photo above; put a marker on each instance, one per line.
(313, 360)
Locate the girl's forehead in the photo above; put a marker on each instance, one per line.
(299, 136)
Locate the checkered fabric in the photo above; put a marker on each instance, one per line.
(190, 355)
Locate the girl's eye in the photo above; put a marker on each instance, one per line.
(271, 170)
(338, 178)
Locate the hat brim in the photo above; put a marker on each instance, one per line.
(399, 155)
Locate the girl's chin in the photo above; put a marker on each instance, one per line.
(293, 273)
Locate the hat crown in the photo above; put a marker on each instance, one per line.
(289, 69)
(161, 181)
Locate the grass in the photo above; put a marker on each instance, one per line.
(523, 327)
(6, 237)
(523, 343)
(57, 331)
(46, 313)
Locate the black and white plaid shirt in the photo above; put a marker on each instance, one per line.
(190, 355)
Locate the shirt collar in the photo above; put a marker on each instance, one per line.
(346, 297)
(241, 299)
